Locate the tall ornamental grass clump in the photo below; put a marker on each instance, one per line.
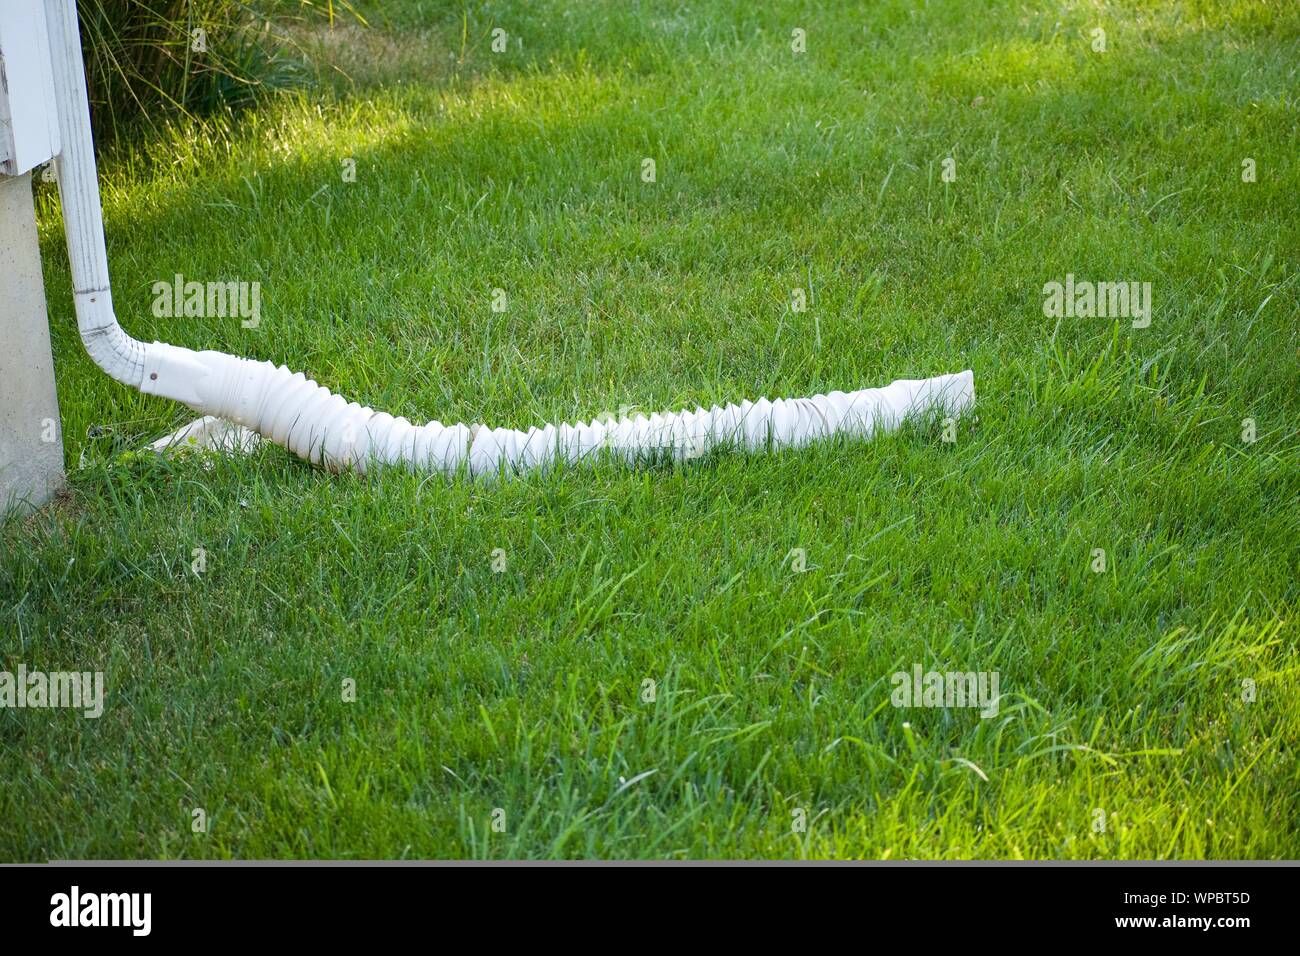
(148, 61)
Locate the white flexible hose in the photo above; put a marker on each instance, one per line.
(326, 429)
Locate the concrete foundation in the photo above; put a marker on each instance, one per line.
(31, 439)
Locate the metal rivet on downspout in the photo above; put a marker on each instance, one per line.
(153, 376)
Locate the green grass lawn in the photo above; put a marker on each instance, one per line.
(1127, 725)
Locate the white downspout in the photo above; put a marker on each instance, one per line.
(112, 349)
(326, 429)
